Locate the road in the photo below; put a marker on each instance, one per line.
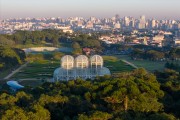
(131, 64)
(15, 71)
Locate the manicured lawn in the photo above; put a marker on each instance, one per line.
(2, 82)
(35, 73)
(148, 65)
(4, 73)
(44, 69)
(32, 83)
(116, 65)
(38, 70)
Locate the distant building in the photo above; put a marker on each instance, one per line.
(142, 22)
(177, 42)
(158, 38)
(64, 29)
(152, 23)
(126, 21)
(117, 25)
(80, 67)
(67, 31)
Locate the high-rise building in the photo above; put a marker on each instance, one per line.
(179, 26)
(126, 21)
(142, 22)
(117, 25)
(117, 17)
(92, 19)
(153, 23)
(132, 23)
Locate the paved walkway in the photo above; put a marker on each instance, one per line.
(131, 64)
(15, 71)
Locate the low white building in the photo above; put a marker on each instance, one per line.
(177, 42)
(80, 67)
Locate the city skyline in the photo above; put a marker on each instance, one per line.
(158, 9)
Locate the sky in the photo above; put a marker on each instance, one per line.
(158, 9)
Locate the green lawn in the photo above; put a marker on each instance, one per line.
(116, 65)
(38, 70)
(4, 73)
(149, 65)
(36, 73)
(32, 83)
(44, 68)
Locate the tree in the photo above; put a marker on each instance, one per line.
(39, 113)
(77, 49)
(155, 55)
(11, 57)
(138, 91)
(15, 113)
(96, 115)
(128, 39)
(55, 41)
(134, 95)
(4, 41)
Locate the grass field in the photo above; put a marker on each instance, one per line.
(4, 73)
(116, 65)
(35, 73)
(44, 69)
(37, 70)
(148, 65)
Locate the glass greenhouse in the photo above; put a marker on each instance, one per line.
(80, 67)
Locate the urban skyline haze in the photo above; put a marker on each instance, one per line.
(159, 9)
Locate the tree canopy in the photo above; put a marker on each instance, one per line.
(126, 96)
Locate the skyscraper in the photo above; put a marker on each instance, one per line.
(117, 25)
(117, 17)
(142, 22)
(126, 21)
(153, 23)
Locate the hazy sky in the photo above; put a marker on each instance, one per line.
(159, 9)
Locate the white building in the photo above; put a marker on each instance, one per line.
(80, 67)
(142, 22)
(117, 25)
(177, 42)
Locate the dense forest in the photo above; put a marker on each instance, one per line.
(51, 36)
(135, 95)
(10, 57)
(154, 55)
(31, 37)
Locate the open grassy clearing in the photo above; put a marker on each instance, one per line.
(4, 73)
(116, 65)
(35, 73)
(37, 70)
(149, 65)
(44, 69)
